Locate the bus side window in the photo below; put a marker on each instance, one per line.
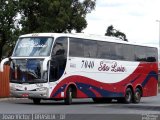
(140, 54)
(151, 54)
(128, 52)
(76, 47)
(104, 50)
(59, 57)
(90, 48)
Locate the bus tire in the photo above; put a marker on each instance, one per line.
(137, 96)
(69, 96)
(36, 101)
(128, 96)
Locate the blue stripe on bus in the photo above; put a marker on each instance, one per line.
(85, 89)
(62, 88)
(102, 92)
(106, 93)
(151, 74)
(132, 81)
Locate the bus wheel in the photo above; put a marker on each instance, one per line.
(68, 99)
(137, 96)
(36, 100)
(128, 96)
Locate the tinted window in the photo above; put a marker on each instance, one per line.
(119, 51)
(104, 50)
(59, 56)
(60, 46)
(90, 48)
(109, 50)
(128, 52)
(151, 54)
(140, 53)
(76, 47)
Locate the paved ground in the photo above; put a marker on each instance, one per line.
(148, 109)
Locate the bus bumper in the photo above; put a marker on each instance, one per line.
(29, 94)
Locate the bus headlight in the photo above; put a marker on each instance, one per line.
(12, 88)
(41, 89)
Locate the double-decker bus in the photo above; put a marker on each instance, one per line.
(57, 66)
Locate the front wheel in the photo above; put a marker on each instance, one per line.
(69, 95)
(137, 96)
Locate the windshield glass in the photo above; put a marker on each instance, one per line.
(27, 71)
(34, 46)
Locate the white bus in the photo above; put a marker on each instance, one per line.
(56, 66)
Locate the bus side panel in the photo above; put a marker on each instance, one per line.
(150, 79)
(145, 75)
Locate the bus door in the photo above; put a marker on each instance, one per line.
(58, 59)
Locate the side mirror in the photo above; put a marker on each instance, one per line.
(2, 64)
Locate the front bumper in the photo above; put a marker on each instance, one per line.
(29, 94)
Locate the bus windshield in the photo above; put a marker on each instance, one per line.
(33, 47)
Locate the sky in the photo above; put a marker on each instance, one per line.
(135, 18)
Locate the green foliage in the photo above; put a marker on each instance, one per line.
(40, 16)
(113, 32)
(8, 13)
(54, 15)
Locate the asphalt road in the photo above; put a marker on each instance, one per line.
(85, 109)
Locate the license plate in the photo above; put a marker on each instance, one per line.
(25, 95)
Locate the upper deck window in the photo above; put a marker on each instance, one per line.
(34, 46)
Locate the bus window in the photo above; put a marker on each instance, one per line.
(33, 46)
(76, 47)
(103, 50)
(128, 52)
(90, 48)
(140, 53)
(59, 57)
(119, 52)
(151, 54)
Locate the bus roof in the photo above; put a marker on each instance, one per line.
(84, 36)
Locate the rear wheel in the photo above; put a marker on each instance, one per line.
(36, 100)
(69, 96)
(128, 96)
(137, 96)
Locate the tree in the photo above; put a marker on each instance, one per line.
(40, 16)
(54, 15)
(8, 13)
(115, 33)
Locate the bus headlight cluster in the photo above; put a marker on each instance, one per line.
(12, 88)
(41, 89)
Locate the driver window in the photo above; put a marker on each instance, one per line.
(59, 57)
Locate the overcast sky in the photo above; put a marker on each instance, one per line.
(135, 18)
